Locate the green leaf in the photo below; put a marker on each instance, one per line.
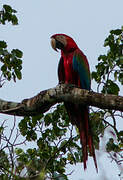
(3, 68)
(23, 125)
(120, 133)
(77, 157)
(40, 143)
(36, 118)
(14, 76)
(59, 176)
(111, 146)
(1, 129)
(111, 88)
(14, 20)
(102, 57)
(18, 151)
(3, 44)
(31, 135)
(18, 74)
(116, 32)
(106, 43)
(48, 119)
(115, 75)
(94, 75)
(17, 53)
(121, 77)
(7, 8)
(8, 75)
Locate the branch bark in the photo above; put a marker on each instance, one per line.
(61, 93)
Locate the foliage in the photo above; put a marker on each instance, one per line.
(109, 71)
(56, 141)
(109, 75)
(11, 62)
(8, 14)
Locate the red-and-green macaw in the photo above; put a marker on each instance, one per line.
(74, 69)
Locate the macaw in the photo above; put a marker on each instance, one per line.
(73, 68)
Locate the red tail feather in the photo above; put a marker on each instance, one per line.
(86, 137)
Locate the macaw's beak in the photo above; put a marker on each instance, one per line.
(53, 44)
(56, 44)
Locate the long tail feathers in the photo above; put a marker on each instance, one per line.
(92, 151)
(79, 115)
(86, 137)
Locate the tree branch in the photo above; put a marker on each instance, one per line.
(61, 93)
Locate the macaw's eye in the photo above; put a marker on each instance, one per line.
(59, 45)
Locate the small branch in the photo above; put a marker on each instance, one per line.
(61, 93)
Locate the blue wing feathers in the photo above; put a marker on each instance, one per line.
(80, 66)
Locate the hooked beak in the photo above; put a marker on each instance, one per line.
(53, 44)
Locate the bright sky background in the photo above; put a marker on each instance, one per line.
(88, 22)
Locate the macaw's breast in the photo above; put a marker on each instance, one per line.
(71, 76)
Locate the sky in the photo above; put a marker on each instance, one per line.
(87, 22)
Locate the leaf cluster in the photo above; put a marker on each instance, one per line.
(109, 70)
(11, 62)
(8, 14)
(56, 145)
(111, 146)
(109, 75)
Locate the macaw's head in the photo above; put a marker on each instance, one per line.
(63, 42)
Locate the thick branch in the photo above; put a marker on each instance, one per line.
(61, 93)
